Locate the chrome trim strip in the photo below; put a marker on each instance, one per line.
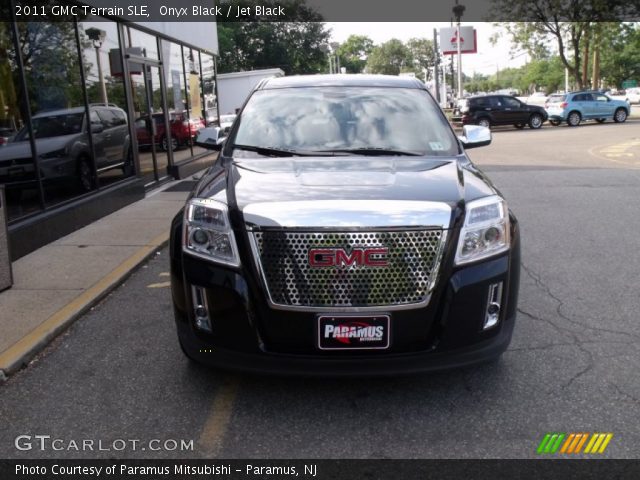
(341, 214)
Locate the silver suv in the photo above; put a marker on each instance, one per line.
(63, 147)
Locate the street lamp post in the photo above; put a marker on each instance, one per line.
(331, 49)
(458, 10)
(98, 36)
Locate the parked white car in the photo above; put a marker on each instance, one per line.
(537, 98)
(633, 95)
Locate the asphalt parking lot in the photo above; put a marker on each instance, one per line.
(118, 373)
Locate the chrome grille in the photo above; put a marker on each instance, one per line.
(413, 260)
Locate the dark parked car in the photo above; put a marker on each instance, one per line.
(343, 230)
(64, 152)
(183, 130)
(490, 110)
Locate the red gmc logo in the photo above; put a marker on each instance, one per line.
(332, 257)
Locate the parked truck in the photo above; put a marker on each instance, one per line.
(233, 88)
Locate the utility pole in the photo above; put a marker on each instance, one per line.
(436, 61)
(458, 10)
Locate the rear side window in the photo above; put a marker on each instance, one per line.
(511, 102)
(108, 118)
(480, 102)
(582, 97)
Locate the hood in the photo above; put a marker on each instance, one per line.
(339, 178)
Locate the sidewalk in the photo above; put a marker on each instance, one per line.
(54, 285)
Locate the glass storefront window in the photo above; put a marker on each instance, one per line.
(210, 106)
(56, 98)
(147, 43)
(104, 82)
(177, 100)
(17, 172)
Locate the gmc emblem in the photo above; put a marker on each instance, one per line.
(332, 257)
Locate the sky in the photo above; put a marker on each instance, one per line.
(488, 59)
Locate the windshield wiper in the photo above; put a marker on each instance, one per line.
(380, 151)
(280, 152)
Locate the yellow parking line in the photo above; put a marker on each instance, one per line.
(13, 357)
(159, 285)
(215, 427)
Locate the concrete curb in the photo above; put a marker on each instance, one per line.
(22, 352)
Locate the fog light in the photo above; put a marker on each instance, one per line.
(494, 299)
(200, 309)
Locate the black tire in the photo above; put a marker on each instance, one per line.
(535, 121)
(574, 118)
(164, 143)
(519, 126)
(484, 122)
(86, 180)
(600, 120)
(555, 123)
(620, 116)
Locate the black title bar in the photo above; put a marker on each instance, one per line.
(320, 469)
(323, 10)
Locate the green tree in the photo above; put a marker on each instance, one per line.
(567, 23)
(545, 75)
(51, 67)
(423, 56)
(620, 54)
(353, 53)
(390, 58)
(293, 46)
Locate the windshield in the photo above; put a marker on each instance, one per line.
(344, 119)
(53, 126)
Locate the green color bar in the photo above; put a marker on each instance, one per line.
(551, 442)
(558, 443)
(543, 443)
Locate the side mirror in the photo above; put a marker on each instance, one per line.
(97, 128)
(210, 138)
(475, 136)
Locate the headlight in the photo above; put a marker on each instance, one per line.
(207, 232)
(485, 231)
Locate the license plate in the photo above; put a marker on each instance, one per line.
(353, 332)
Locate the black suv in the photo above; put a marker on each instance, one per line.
(489, 110)
(343, 230)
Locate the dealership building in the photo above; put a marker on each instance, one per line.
(94, 112)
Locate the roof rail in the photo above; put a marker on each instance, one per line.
(101, 104)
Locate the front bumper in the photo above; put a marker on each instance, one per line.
(248, 335)
(344, 366)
